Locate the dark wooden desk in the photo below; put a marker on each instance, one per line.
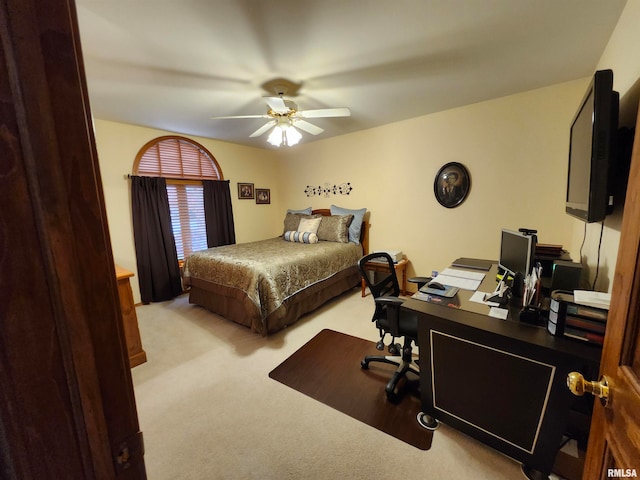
(502, 382)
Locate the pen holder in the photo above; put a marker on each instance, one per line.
(530, 315)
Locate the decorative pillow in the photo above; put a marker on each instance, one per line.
(356, 223)
(305, 211)
(309, 225)
(335, 228)
(292, 220)
(301, 237)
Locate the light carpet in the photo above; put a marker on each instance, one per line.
(208, 409)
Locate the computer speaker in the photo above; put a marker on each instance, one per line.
(566, 275)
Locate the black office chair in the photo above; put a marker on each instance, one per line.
(389, 320)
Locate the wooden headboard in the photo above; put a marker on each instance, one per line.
(364, 232)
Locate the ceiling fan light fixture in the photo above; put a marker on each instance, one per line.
(293, 136)
(276, 136)
(284, 133)
(283, 113)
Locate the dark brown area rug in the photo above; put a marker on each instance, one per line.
(327, 369)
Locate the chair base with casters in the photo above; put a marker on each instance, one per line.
(390, 320)
(404, 362)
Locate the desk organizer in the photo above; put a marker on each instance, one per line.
(530, 315)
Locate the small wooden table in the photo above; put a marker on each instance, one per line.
(401, 268)
(137, 355)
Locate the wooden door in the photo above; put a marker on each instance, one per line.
(614, 441)
(67, 409)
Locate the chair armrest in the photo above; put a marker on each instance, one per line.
(389, 301)
(421, 281)
(392, 307)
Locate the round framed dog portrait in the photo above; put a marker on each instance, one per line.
(452, 184)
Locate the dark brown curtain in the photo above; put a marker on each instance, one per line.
(218, 214)
(158, 271)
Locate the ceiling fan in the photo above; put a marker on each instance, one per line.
(285, 117)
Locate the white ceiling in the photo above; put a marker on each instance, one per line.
(173, 65)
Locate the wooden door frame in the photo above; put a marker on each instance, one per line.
(65, 382)
(623, 329)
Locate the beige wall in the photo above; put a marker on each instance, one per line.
(515, 148)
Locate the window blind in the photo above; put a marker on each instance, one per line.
(174, 157)
(187, 218)
(185, 164)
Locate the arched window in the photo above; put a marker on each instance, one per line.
(184, 163)
(176, 158)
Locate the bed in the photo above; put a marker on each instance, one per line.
(269, 284)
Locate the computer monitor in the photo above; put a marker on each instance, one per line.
(516, 252)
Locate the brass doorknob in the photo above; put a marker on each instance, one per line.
(579, 386)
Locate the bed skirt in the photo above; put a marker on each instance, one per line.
(233, 304)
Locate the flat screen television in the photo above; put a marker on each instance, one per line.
(517, 252)
(591, 151)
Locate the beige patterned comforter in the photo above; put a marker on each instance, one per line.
(270, 271)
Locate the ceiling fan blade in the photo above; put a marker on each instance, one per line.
(239, 116)
(307, 127)
(276, 104)
(263, 129)
(326, 112)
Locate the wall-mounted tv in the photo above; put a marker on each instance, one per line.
(592, 151)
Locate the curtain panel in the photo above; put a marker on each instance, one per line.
(157, 260)
(218, 213)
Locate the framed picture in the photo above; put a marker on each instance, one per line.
(245, 190)
(452, 184)
(263, 195)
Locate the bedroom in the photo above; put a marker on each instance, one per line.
(515, 148)
(498, 140)
(117, 144)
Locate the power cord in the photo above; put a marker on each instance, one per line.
(593, 286)
(584, 238)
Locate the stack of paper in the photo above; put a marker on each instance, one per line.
(531, 290)
(460, 278)
(592, 299)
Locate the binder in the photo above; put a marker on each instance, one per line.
(585, 324)
(583, 335)
(576, 321)
(473, 263)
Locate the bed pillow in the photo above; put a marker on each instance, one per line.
(309, 225)
(304, 211)
(292, 220)
(335, 228)
(356, 223)
(301, 237)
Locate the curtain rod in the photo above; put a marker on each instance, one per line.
(128, 176)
